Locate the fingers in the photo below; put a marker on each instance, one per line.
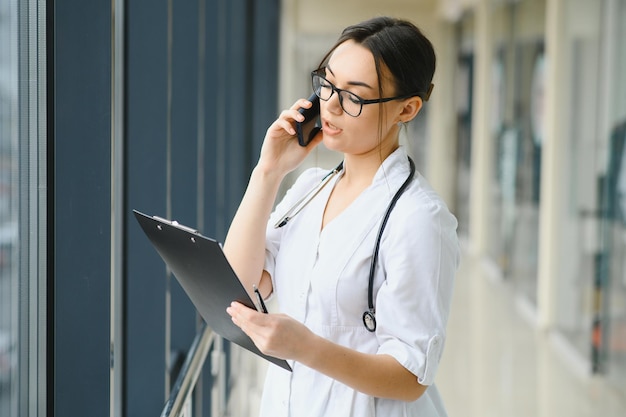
(239, 313)
(244, 317)
(251, 322)
(275, 335)
(287, 117)
(281, 151)
(301, 103)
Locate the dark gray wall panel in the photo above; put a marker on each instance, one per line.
(184, 155)
(146, 191)
(81, 207)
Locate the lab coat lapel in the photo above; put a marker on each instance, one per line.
(354, 226)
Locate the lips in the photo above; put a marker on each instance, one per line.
(330, 129)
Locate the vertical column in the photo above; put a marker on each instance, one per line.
(288, 29)
(482, 146)
(117, 208)
(551, 166)
(442, 120)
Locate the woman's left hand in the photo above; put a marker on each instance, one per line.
(276, 335)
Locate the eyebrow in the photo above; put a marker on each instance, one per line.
(353, 83)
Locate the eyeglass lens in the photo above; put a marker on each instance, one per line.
(349, 102)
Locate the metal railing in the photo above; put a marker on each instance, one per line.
(179, 402)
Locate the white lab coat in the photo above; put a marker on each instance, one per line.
(321, 279)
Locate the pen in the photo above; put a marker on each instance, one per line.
(259, 298)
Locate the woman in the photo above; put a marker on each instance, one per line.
(351, 356)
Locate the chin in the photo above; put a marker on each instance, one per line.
(332, 143)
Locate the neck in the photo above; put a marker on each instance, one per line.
(360, 169)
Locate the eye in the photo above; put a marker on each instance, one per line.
(324, 83)
(353, 98)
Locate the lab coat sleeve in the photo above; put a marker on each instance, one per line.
(419, 256)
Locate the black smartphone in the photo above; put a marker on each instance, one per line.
(311, 125)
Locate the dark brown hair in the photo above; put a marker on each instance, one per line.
(398, 45)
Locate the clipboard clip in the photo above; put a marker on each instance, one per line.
(174, 223)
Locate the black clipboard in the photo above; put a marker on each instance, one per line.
(201, 268)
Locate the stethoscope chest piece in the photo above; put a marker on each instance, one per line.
(369, 320)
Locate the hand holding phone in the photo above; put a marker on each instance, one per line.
(307, 129)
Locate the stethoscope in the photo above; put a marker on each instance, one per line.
(369, 316)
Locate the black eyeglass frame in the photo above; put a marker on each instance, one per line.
(362, 101)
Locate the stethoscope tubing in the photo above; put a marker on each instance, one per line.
(369, 316)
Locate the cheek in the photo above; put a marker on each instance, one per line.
(365, 131)
(374, 130)
(367, 124)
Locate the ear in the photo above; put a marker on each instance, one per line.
(411, 108)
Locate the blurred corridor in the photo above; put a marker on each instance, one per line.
(496, 363)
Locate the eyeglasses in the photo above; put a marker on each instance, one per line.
(349, 102)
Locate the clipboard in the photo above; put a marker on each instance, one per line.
(201, 268)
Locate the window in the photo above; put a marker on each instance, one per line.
(9, 209)
(22, 208)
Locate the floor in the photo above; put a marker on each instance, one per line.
(497, 364)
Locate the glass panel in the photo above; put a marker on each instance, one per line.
(579, 249)
(516, 129)
(463, 88)
(504, 135)
(526, 143)
(611, 326)
(8, 208)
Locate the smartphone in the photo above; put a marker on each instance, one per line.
(312, 124)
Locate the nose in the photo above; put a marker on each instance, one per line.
(333, 104)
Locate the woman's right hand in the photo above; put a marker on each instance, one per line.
(281, 152)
